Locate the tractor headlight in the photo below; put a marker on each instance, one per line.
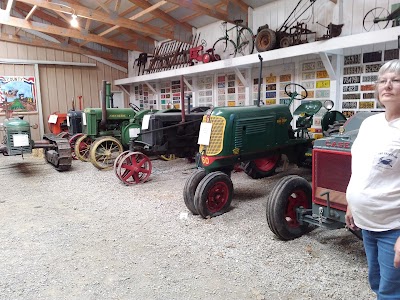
(328, 104)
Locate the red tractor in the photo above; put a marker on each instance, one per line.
(296, 206)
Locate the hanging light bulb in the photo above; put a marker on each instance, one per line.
(74, 21)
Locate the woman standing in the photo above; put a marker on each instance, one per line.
(373, 193)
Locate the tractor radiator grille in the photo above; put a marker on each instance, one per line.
(217, 136)
(331, 173)
(13, 150)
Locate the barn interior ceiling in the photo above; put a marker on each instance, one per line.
(109, 28)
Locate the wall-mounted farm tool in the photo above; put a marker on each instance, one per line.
(289, 33)
(197, 54)
(379, 18)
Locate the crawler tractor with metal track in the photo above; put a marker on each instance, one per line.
(17, 141)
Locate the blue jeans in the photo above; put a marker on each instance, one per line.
(384, 278)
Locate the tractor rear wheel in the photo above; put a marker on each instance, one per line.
(104, 151)
(72, 142)
(213, 195)
(290, 193)
(190, 189)
(82, 147)
(265, 40)
(133, 167)
(262, 167)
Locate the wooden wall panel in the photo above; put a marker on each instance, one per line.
(59, 84)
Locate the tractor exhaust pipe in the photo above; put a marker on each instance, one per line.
(103, 105)
(259, 81)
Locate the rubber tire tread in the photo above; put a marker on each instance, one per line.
(272, 40)
(277, 203)
(190, 187)
(199, 195)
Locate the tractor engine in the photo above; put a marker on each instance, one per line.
(74, 122)
(114, 123)
(245, 133)
(17, 139)
(167, 134)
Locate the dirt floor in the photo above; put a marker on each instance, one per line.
(82, 234)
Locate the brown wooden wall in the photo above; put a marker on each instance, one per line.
(59, 84)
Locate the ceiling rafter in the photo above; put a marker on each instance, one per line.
(201, 8)
(28, 16)
(16, 22)
(136, 16)
(163, 15)
(85, 12)
(48, 18)
(63, 47)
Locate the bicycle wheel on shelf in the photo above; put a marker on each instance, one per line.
(246, 41)
(225, 48)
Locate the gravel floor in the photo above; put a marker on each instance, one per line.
(83, 235)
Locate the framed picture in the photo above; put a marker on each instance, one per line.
(18, 93)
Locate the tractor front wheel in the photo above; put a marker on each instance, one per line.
(133, 167)
(104, 151)
(262, 167)
(190, 189)
(82, 147)
(290, 193)
(213, 195)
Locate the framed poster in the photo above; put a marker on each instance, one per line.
(18, 93)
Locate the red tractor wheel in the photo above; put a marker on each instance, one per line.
(262, 167)
(213, 195)
(206, 58)
(134, 167)
(290, 193)
(82, 147)
(190, 189)
(117, 162)
(72, 142)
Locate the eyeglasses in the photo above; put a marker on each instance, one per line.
(383, 82)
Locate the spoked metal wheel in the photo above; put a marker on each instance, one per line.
(82, 147)
(190, 189)
(104, 151)
(118, 161)
(133, 168)
(63, 134)
(225, 48)
(376, 19)
(246, 40)
(290, 193)
(213, 195)
(262, 167)
(72, 142)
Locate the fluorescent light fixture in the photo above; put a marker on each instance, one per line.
(74, 21)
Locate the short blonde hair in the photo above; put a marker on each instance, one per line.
(392, 66)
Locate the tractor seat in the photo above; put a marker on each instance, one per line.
(309, 108)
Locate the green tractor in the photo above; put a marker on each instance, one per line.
(255, 137)
(17, 141)
(107, 131)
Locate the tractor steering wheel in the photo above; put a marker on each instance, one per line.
(295, 94)
(134, 107)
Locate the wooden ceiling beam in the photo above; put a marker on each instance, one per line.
(16, 22)
(28, 16)
(63, 47)
(105, 18)
(163, 15)
(198, 6)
